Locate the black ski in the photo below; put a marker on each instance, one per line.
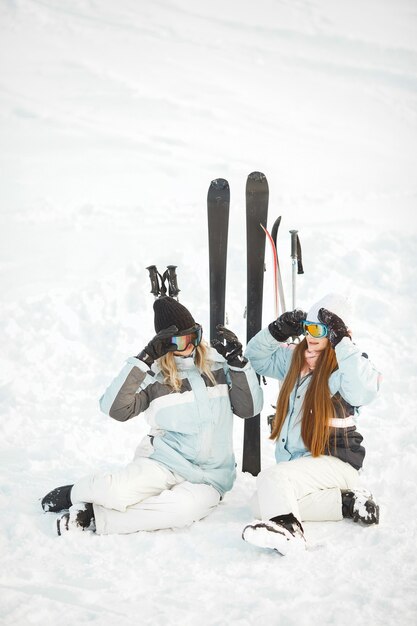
(218, 202)
(257, 195)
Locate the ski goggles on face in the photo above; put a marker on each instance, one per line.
(315, 329)
(191, 335)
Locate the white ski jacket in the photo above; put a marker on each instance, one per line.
(353, 384)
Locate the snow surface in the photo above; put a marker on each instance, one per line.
(115, 117)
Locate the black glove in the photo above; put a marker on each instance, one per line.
(289, 324)
(158, 346)
(232, 350)
(337, 327)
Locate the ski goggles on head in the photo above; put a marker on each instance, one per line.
(191, 335)
(315, 329)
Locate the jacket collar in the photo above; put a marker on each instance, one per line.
(186, 363)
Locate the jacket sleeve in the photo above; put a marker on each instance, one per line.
(268, 356)
(246, 395)
(126, 396)
(359, 380)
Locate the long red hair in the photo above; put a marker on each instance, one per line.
(318, 407)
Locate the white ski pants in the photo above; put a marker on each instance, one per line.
(307, 487)
(144, 496)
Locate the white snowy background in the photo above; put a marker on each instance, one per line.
(115, 117)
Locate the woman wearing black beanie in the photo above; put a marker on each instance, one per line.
(188, 391)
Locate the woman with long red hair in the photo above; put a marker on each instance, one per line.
(326, 378)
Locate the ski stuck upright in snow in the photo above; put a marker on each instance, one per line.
(257, 196)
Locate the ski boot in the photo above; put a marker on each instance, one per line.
(81, 517)
(359, 506)
(283, 533)
(57, 500)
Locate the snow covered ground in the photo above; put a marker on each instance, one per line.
(115, 117)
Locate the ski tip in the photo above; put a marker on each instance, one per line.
(219, 183)
(275, 228)
(258, 176)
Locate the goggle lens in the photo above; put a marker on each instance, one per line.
(183, 341)
(315, 329)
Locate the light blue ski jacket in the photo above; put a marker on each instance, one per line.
(191, 430)
(356, 382)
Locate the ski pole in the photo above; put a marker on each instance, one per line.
(294, 263)
(153, 275)
(171, 275)
(299, 257)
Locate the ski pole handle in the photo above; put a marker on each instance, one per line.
(294, 248)
(299, 257)
(153, 275)
(172, 281)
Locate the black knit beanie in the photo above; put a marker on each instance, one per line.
(169, 312)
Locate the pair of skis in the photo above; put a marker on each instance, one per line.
(218, 203)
